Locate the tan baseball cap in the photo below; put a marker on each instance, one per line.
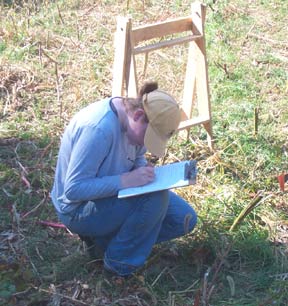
(164, 116)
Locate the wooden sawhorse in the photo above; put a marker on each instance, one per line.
(196, 87)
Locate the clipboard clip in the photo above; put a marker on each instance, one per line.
(191, 171)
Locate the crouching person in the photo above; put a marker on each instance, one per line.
(102, 151)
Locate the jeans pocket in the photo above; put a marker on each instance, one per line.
(84, 211)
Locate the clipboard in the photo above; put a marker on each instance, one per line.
(168, 176)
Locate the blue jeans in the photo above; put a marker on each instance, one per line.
(126, 229)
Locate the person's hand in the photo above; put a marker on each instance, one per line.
(138, 177)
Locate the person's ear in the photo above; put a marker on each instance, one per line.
(139, 114)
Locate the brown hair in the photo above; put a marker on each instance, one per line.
(132, 104)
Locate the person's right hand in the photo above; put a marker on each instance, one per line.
(138, 177)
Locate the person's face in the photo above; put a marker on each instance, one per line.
(136, 127)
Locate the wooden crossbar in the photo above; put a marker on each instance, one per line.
(192, 122)
(166, 43)
(161, 29)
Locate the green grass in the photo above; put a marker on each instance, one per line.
(56, 57)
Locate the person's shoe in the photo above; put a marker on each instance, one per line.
(113, 276)
(110, 271)
(94, 250)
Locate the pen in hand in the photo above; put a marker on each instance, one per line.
(138, 177)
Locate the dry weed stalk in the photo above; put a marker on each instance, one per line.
(258, 199)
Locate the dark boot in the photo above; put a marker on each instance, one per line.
(94, 250)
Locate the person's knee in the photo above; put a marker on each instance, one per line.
(153, 209)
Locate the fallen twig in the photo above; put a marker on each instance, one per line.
(52, 224)
(34, 208)
(172, 294)
(62, 296)
(60, 15)
(41, 50)
(158, 277)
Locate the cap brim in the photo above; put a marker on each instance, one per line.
(154, 144)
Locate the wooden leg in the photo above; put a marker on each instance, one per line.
(210, 140)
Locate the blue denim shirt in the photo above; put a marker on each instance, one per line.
(93, 154)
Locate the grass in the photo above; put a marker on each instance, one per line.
(56, 57)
